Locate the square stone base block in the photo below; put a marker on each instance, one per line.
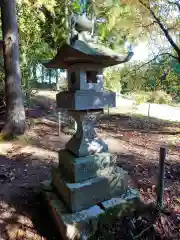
(78, 196)
(110, 182)
(91, 223)
(76, 169)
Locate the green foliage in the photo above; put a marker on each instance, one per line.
(157, 75)
(118, 26)
(156, 82)
(112, 80)
(33, 47)
(175, 66)
(140, 97)
(159, 97)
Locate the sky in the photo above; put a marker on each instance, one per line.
(146, 50)
(141, 52)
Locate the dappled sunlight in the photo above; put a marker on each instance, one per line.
(21, 205)
(71, 231)
(45, 137)
(36, 152)
(16, 225)
(53, 143)
(140, 133)
(48, 94)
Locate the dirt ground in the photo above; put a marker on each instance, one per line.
(27, 161)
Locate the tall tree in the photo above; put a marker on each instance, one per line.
(170, 29)
(155, 21)
(158, 20)
(15, 123)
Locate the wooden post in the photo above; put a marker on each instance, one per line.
(160, 185)
(59, 121)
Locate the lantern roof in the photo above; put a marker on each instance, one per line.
(86, 52)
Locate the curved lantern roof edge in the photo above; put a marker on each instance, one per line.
(69, 55)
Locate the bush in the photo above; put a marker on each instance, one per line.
(142, 97)
(160, 97)
(139, 97)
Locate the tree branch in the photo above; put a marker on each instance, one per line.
(166, 33)
(146, 63)
(149, 25)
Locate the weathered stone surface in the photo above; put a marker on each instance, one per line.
(73, 226)
(121, 203)
(116, 208)
(117, 179)
(76, 169)
(82, 195)
(78, 77)
(85, 141)
(85, 100)
(77, 196)
(93, 223)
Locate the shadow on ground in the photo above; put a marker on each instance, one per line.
(22, 212)
(118, 122)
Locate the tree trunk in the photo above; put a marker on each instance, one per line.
(15, 123)
(34, 73)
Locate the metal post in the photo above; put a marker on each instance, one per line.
(160, 185)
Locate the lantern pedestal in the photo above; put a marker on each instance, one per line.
(87, 190)
(85, 141)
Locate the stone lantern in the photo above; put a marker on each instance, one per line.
(86, 186)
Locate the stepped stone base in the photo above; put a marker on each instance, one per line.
(88, 223)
